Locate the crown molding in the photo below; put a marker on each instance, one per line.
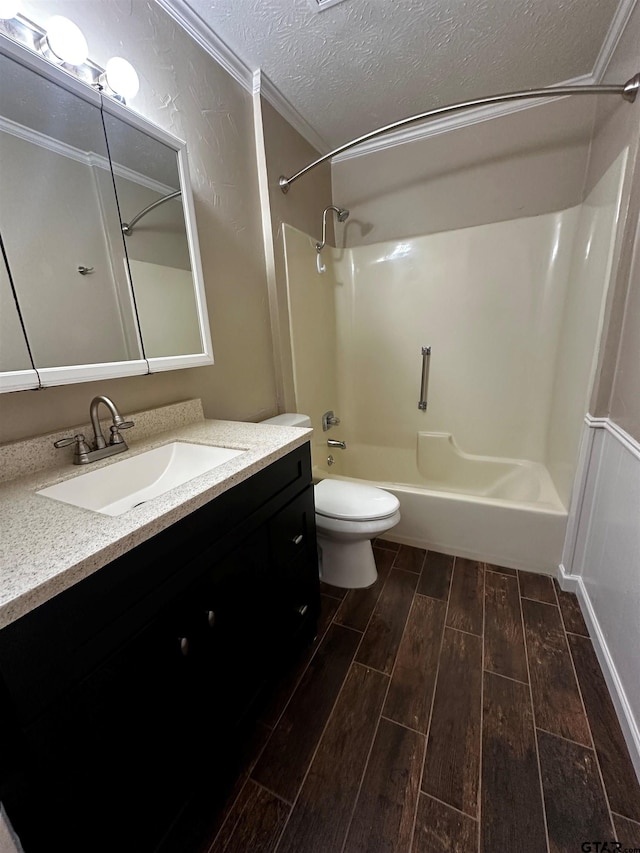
(133, 176)
(56, 146)
(255, 81)
(278, 101)
(618, 24)
(87, 158)
(444, 125)
(252, 80)
(202, 33)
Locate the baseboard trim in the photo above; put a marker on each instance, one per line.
(568, 582)
(623, 437)
(574, 583)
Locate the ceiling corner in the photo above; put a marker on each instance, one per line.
(290, 114)
(618, 24)
(202, 33)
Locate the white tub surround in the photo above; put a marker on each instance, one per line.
(494, 509)
(442, 465)
(513, 313)
(601, 562)
(47, 545)
(582, 323)
(519, 534)
(501, 511)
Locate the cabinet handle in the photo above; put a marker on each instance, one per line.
(303, 609)
(211, 618)
(297, 540)
(184, 645)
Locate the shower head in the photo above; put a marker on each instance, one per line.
(342, 214)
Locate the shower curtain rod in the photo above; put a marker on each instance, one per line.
(628, 90)
(127, 227)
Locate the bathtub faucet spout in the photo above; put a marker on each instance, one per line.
(332, 442)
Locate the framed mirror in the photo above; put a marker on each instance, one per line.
(92, 302)
(149, 175)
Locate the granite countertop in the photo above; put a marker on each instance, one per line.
(46, 546)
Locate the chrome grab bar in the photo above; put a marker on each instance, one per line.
(424, 384)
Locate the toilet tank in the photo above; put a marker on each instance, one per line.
(289, 419)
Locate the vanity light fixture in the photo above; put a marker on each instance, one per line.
(120, 79)
(9, 9)
(64, 42)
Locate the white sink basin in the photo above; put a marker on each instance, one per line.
(119, 487)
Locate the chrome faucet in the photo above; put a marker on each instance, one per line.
(118, 423)
(84, 453)
(333, 442)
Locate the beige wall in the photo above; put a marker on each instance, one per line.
(523, 164)
(618, 126)
(286, 152)
(184, 91)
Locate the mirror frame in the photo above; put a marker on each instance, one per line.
(47, 377)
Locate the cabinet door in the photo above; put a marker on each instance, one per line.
(236, 602)
(111, 763)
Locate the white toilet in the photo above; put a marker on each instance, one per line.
(348, 516)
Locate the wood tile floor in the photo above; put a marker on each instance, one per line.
(451, 707)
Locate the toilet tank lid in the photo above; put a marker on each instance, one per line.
(289, 419)
(355, 501)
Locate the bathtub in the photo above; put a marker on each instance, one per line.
(501, 511)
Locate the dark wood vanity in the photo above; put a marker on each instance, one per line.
(121, 694)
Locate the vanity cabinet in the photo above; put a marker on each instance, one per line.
(122, 693)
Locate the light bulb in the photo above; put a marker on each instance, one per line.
(65, 41)
(121, 77)
(9, 9)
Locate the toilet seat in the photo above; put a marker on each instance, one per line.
(353, 502)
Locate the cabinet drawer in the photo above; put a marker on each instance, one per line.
(292, 530)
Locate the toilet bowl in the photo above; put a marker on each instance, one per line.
(348, 516)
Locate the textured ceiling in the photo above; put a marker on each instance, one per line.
(363, 63)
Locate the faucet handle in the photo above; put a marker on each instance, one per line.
(78, 439)
(81, 450)
(116, 438)
(329, 420)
